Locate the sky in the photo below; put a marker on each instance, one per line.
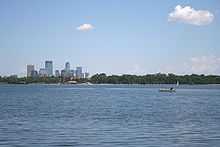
(111, 36)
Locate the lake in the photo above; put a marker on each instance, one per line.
(109, 115)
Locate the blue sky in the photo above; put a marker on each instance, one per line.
(120, 36)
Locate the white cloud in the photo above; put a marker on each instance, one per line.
(207, 64)
(85, 27)
(204, 65)
(189, 15)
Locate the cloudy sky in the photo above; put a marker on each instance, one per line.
(111, 36)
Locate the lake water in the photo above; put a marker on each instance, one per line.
(109, 116)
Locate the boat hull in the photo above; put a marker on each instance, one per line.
(167, 90)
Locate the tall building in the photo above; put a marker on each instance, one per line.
(67, 70)
(30, 69)
(63, 73)
(86, 75)
(42, 72)
(57, 73)
(34, 74)
(67, 66)
(79, 73)
(49, 68)
(72, 73)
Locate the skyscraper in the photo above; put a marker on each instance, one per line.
(72, 73)
(42, 72)
(49, 68)
(79, 74)
(30, 69)
(57, 73)
(67, 66)
(63, 73)
(34, 74)
(86, 75)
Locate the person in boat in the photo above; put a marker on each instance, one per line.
(171, 88)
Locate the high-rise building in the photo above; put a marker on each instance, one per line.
(86, 75)
(79, 74)
(67, 70)
(34, 74)
(72, 73)
(49, 68)
(43, 72)
(57, 73)
(30, 68)
(67, 66)
(63, 73)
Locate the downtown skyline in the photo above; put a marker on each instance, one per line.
(114, 37)
(48, 71)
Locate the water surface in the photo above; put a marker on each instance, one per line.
(109, 115)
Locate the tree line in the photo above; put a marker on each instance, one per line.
(158, 78)
(102, 78)
(29, 80)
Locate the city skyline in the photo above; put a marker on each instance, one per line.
(48, 71)
(114, 37)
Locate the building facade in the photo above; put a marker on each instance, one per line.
(86, 75)
(79, 73)
(63, 73)
(49, 68)
(57, 73)
(43, 72)
(67, 66)
(30, 69)
(34, 74)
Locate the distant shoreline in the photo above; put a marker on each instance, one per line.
(102, 78)
(99, 84)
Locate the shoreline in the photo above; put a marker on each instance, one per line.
(98, 84)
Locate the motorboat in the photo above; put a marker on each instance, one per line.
(167, 90)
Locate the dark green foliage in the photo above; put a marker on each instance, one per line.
(43, 80)
(155, 79)
(123, 79)
(27, 80)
